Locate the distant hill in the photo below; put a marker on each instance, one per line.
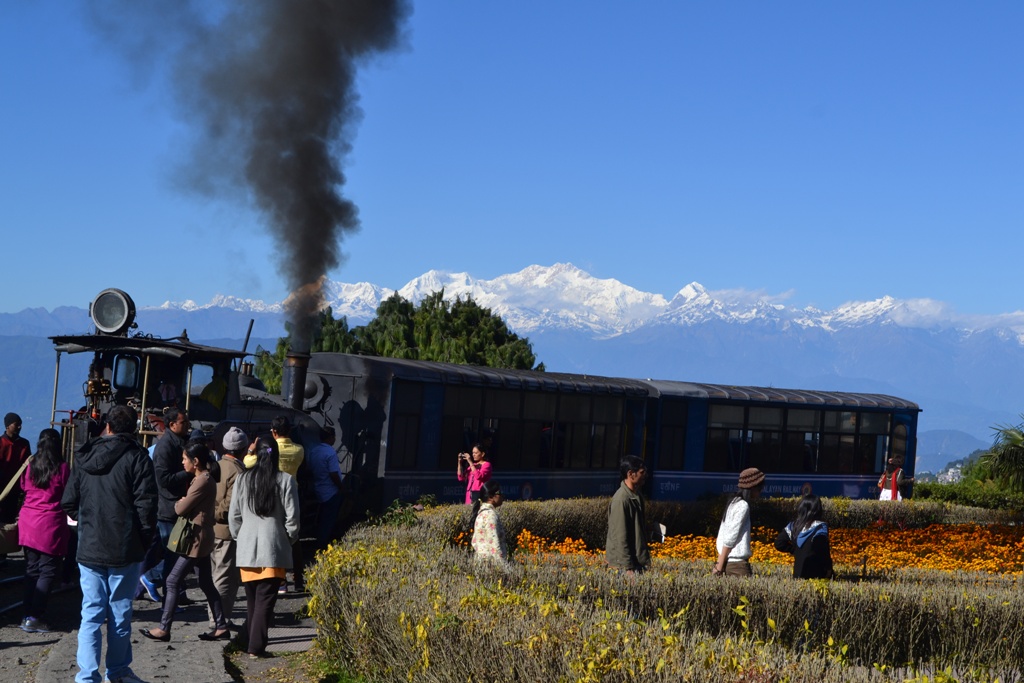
(938, 447)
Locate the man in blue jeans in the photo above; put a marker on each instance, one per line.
(113, 496)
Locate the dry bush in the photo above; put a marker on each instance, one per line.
(406, 603)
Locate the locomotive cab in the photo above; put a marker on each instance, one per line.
(152, 374)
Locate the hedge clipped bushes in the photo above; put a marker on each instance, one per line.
(982, 494)
(408, 603)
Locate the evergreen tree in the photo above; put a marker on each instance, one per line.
(460, 332)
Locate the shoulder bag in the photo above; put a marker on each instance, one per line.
(183, 536)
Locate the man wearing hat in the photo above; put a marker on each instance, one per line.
(626, 543)
(225, 573)
(14, 450)
(733, 542)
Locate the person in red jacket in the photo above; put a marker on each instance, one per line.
(892, 480)
(14, 450)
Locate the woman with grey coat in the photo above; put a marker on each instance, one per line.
(264, 521)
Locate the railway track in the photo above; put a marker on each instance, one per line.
(12, 583)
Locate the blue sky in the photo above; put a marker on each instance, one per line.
(817, 152)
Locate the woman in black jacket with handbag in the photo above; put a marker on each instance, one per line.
(197, 505)
(806, 538)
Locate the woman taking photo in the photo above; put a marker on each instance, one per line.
(475, 471)
(733, 541)
(489, 542)
(42, 527)
(806, 539)
(197, 505)
(264, 521)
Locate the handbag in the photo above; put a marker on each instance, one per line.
(9, 532)
(183, 536)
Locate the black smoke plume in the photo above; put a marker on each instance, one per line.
(269, 87)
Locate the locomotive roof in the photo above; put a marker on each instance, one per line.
(146, 345)
(780, 396)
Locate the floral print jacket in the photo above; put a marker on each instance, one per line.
(489, 536)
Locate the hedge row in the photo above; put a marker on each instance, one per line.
(406, 603)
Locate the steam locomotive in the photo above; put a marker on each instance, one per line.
(399, 424)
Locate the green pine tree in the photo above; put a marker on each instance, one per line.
(460, 332)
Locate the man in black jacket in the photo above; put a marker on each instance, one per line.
(112, 494)
(172, 483)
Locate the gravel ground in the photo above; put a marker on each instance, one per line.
(50, 657)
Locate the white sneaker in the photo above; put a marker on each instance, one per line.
(127, 676)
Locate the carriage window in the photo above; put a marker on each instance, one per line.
(899, 444)
(407, 407)
(765, 418)
(838, 454)
(724, 450)
(673, 435)
(574, 409)
(725, 416)
(840, 421)
(405, 433)
(802, 420)
(874, 423)
(463, 401)
(800, 452)
(501, 403)
(539, 406)
(408, 397)
(578, 444)
(764, 450)
(506, 447)
(537, 447)
(607, 409)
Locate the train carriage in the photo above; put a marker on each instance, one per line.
(831, 443)
(402, 423)
(553, 435)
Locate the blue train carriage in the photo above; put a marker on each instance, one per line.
(400, 425)
(828, 443)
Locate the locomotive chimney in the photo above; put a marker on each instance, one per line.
(294, 381)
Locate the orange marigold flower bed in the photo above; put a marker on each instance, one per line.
(967, 547)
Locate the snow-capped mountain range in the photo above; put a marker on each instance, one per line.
(564, 297)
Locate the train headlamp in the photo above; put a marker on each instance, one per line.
(113, 312)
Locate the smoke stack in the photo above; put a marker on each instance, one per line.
(294, 380)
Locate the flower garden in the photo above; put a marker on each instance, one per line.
(926, 592)
(962, 547)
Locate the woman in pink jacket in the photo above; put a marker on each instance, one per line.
(475, 471)
(42, 526)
